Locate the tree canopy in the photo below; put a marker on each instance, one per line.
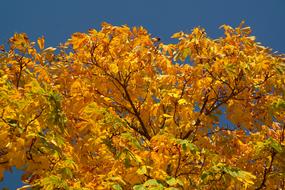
(118, 109)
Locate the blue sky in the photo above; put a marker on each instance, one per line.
(58, 19)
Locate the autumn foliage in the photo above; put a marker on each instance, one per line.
(117, 109)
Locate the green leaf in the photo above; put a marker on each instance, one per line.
(187, 145)
(171, 181)
(184, 147)
(142, 170)
(279, 104)
(54, 182)
(127, 162)
(13, 122)
(270, 143)
(275, 145)
(243, 176)
(67, 172)
(117, 187)
(132, 139)
(204, 175)
(139, 187)
(153, 183)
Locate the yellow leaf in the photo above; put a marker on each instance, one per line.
(75, 87)
(78, 40)
(50, 50)
(2, 48)
(175, 95)
(177, 35)
(20, 41)
(166, 115)
(107, 99)
(182, 101)
(41, 42)
(114, 68)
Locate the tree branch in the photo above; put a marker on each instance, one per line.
(137, 114)
(266, 171)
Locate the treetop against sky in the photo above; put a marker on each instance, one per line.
(118, 109)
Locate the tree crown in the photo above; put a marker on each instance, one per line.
(117, 109)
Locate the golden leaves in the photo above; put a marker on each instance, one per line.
(182, 101)
(20, 42)
(41, 42)
(117, 111)
(2, 48)
(177, 35)
(75, 87)
(114, 68)
(78, 40)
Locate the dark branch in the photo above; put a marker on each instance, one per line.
(266, 172)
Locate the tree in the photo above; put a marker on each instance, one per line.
(116, 109)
